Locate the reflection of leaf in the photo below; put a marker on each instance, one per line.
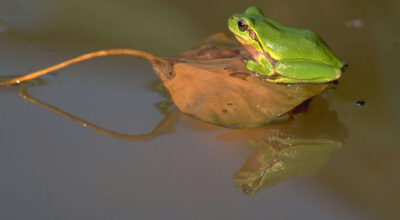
(211, 82)
(319, 121)
(163, 106)
(165, 126)
(159, 87)
(268, 166)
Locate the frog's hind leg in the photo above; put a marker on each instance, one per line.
(304, 71)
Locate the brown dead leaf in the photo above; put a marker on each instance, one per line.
(211, 82)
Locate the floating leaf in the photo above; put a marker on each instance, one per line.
(211, 82)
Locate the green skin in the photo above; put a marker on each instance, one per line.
(284, 54)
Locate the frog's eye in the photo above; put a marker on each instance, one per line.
(242, 25)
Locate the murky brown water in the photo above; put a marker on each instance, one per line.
(54, 168)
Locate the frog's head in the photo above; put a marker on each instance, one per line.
(243, 26)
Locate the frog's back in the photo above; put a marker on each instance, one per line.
(291, 42)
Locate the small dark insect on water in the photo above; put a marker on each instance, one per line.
(359, 103)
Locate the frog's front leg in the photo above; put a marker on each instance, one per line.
(264, 69)
(304, 71)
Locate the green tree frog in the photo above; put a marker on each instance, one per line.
(284, 54)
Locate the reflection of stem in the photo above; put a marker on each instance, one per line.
(164, 127)
(101, 53)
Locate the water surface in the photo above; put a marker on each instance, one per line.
(54, 168)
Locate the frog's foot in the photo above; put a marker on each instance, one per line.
(245, 58)
(257, 69)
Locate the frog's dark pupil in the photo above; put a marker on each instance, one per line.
(242, 25)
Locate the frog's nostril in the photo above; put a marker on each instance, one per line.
(231, 18)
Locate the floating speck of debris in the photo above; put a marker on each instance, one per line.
(354, 23)
(359, 103)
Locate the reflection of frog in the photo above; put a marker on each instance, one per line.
(281, 157)
(296, 147)
(284, 54)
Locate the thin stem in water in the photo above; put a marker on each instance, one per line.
(101, 53)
